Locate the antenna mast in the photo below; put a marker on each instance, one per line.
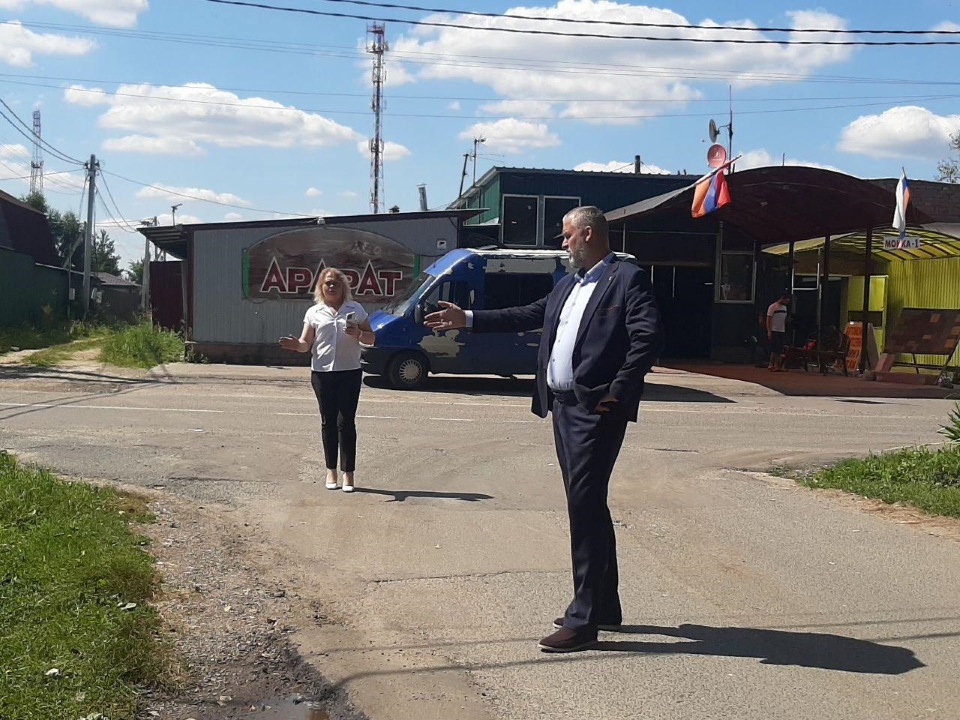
(377, 45)
(36, 165)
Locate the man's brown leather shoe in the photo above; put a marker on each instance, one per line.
(558, 623)
(566, 640)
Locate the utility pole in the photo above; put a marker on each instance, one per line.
(92, 168)
(145, 288)
(463, 175)
(476, 141)
(36, 165)
(173, 212)
(637, 165)
(377, 46)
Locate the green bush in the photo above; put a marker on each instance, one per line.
(142, 345)
(951, 430)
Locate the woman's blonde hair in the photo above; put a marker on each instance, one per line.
(338, 274)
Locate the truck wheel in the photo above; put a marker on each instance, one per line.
(408, 371)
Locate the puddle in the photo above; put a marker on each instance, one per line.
(287, 710)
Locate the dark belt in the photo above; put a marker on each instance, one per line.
(566, 397)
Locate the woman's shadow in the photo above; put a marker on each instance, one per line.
(772, 647)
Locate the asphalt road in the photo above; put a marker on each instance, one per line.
(424, 593)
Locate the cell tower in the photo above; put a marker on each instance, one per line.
(377, 45)
(36, 165)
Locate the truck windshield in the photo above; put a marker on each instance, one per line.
(408, 298)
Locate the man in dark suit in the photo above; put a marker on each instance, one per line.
(601, 336)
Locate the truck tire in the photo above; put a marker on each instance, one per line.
(408, 371)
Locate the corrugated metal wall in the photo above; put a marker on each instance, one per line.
(924, 284)
(25, 288)
(222, 314)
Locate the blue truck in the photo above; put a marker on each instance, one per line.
(406, 352)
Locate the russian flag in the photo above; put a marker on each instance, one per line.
(903, 200)
(710, 194)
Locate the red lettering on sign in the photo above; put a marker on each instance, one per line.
(273, 279)
(353, 277)
(298, 279)
(390, 278)
(369, 283)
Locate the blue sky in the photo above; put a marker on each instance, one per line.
(277, 126)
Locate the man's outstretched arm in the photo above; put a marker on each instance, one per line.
(516, 319)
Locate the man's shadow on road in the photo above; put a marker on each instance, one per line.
(401, 495)
(771, 647)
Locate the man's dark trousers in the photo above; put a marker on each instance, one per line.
(587, 447)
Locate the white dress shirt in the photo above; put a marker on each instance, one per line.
(333, 349)
(560, 368)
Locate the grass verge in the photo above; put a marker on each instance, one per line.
(57, 354)
(142, 345)
(928, 479)
(77, 636)
(33, 338)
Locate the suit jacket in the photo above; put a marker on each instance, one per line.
(619, 339)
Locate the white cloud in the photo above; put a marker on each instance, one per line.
(154, 145)
(521, 108)
(15, 163)
(172, 192)
(313, 192)
(115, 13)
(391, 150)
(233, 217)
(762, 158)
(909, 131)
(947, 25)
(182, 219)
(455, 106)
(621, 167)
(201, 114)
(643, 78)
(348, 194)
(18, 45)
(512, 136)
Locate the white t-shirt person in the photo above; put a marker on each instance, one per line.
(777, 312)
(333, 350)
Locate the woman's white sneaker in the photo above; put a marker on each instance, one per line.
(347, 488)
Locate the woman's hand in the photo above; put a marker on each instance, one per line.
(290, 342)
(353, 330)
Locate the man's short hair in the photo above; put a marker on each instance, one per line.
(588, 216)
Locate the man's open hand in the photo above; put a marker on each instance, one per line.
(450, 318)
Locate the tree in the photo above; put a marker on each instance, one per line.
(37, 201)
(135, 271)
(105, 258)
(949, 170)
(67, 233)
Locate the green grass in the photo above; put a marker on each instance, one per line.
(928, 479)
(69, 565)
(33, 338)
(142, 345)
(57, 354)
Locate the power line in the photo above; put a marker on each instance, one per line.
(470, 98)
(618, 69)
(628, 23)
(32, 137)
(556, 33)
(168, 191)
(115, 205)
(460, 116)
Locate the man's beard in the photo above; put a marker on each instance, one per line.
(577, 258)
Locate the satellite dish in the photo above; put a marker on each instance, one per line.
(713, 131)
(716, 155)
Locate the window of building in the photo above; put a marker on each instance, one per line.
(504, 290)
(735, 284)
(554, 208)
(519, 219)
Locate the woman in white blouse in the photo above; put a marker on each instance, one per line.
(332, 332)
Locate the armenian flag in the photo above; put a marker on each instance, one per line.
(710, 194)
(903, 200)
